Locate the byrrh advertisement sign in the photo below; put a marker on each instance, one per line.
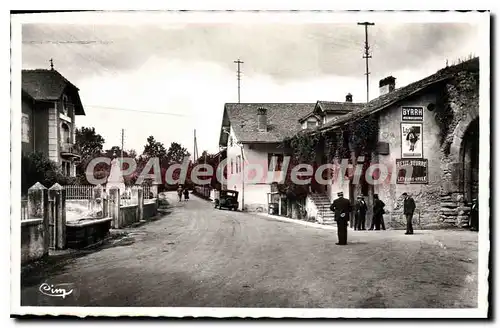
(411, 140)
(419, 170)
(412, 113)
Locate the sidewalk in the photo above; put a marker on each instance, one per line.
(305, 223)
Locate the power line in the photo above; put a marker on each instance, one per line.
(367, 56)
(124, 109)
(136, 110)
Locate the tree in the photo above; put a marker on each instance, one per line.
(90, 145)
(88, 141)
(154, 149)
(132, 153)
(176, 153)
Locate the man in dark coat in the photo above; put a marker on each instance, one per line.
(342, 207)
(474, 216)
(360, 215)
(408, 209)
(378, 213)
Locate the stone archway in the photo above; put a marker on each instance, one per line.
(469, 155)
(460, 184)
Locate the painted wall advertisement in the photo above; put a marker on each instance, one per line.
(411, 140)
(419, 171)
(415, 113)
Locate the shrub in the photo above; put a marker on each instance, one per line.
(37, 167)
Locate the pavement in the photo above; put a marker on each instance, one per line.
(198, 256)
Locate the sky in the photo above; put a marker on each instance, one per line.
(166, 80)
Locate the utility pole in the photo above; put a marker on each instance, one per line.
(195, 147)
(367, 56)
(121, 155)
(238, 75)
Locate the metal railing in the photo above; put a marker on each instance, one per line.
(69, 148)
(86, 192)
(79, 191)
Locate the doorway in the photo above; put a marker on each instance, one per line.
(470, 160)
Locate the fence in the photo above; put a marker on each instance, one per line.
(79, 191)
(82, 192)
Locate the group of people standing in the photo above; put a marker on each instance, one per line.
(182, 191)
(342, 209)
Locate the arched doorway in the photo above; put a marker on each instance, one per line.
(469, 155)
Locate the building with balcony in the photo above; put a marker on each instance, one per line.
(50, 104)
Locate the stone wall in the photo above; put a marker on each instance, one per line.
(86, 233)
(459, 109)
(150, 209)
(129, 215)
(33, 236)
(426, 196)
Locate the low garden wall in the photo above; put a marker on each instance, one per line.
(33, 244)
(129, 215)
(150, 209)
(86, 232)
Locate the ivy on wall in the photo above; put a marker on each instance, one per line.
(364, 135)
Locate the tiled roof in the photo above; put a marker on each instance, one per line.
(43, 84)
(334, 106)
(397, 95)
(282, 120)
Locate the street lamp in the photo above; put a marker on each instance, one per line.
(239, 144)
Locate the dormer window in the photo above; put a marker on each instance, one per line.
(311, 123)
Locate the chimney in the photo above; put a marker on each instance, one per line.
(262, 119)
(348, 98)
(387, 85)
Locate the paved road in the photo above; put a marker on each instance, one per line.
(200, 256)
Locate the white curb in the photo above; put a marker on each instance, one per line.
(305, 223)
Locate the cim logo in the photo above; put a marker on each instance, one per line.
(57, 290)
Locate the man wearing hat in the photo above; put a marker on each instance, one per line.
(342, 207)
(408, 209)
(474, 216)
(360, 215)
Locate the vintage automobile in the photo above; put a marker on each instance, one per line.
(227, 199)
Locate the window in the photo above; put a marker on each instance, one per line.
(231, 161)
(311, 123)
(65, 105)
(278, 158)
(238, 164)
(25, 128)
(66, 168)
(65, 134)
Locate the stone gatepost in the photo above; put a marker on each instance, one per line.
(134, 195)
(38, 208)
(98, 205)
(57, 194)
(114, 206)
(140, 204)
(105, 205)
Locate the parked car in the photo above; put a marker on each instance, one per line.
(227, 199)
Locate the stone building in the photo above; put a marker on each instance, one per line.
(50, 104)
(431, 125)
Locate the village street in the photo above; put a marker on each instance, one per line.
(201, 256)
